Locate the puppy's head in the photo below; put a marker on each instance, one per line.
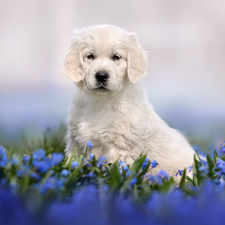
(102, 58)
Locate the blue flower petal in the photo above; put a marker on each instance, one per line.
(26, 159)
(91, 156)
(133, 181)
(56, 158)
(39, 154)
(75, 164)
(65, 172)
(153, 163)
(42, 166)
(89, 144)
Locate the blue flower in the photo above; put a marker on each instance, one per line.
(89, 144)
(203, 170)
(26, 159)
(91, 156)
(153, 163)
(86, 163)
(102, 158)
(221, 183)
(25, 170)
(220, 164)
(35, 176)
(101, 161)
(57, 158)
(163, 174)
(48, 185)
(190, 168)
(125, 168)
(144, 165)
(19, 173)
(42, 166)
(14, 161)
(65, 172)
(153, 178)
(105, 188)
(3, 157)
(133, 181)
(120, 170)
(60, 182)
(147, 160)
(128, 174)
(122, 164)
(223, 148)
(103, 169)
(180, 172)
(158, 179)
(39, 154)
(75, 164)
(90, 175)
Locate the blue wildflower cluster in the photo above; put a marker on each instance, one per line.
(65, 190)
(49, 172)
(158, 178)
(223, 147)
(3, 157)
(91, 205)
(38, 170)
(136, 174)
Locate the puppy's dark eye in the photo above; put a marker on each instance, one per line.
(90, 56)
(116, 57)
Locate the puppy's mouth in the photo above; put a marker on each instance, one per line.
(102, 88)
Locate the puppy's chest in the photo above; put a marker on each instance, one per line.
(105, 127)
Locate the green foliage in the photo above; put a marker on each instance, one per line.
(52, 140)
(115, 181)
(182, 182)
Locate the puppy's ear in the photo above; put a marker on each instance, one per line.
(137, 60)
(73, 64)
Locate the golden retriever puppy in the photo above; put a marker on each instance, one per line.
(110, 107)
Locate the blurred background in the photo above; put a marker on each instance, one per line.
(186, 44)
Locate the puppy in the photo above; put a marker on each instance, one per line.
(110, 107)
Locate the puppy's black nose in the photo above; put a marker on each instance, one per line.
(102, 76)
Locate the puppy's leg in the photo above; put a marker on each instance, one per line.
(70, 146)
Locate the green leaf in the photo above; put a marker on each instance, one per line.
(25, 183)
(197, 174)
(190, 181)
(96, 169)
(182, 182)
(211, 166)
(79, 160)
(76, 174)
(114, 178)
(144, 171)
(70, 159)
(167, 185)
(136, 166)
(215, 156)
(222, 157)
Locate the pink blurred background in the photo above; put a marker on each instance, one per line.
(186, 44)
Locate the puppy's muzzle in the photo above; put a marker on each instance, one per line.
(101, 77)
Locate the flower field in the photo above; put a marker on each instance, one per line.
(38, 185)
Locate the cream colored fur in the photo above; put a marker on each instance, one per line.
(119, 121)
